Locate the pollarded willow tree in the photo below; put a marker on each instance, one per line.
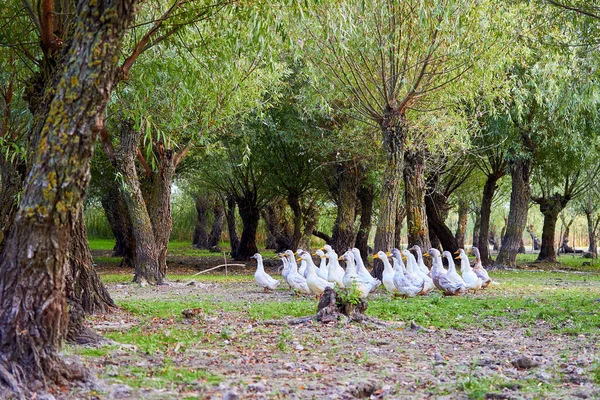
(35, 259)
(395, 61)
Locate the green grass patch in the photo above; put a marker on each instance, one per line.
(151, 342)
(127, 277)
(101, 244)
(167, 376)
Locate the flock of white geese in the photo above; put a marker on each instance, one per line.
(406, 275)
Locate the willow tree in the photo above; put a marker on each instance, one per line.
(33, 268)
(395, 61)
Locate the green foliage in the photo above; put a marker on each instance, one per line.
(349, 295)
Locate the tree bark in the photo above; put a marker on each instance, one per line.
(277, 225)
(200, 237)
(534, 238)
(294, 203)
(476, 227)
(400, 216)
(564, 244)
(550, 207)
(517, 216)
(85, 291)
(250, 215)
(394, 129)
(436, 208)
(365, 195)
(489, 189)
(11, 179)
(234, 241)
(115, 209)
(156, 190)
(32, 271)
(461, 229)
(414, 194)
(343, 235)
(592, 228)
(311, 218)
(217, 227)
(147, 265)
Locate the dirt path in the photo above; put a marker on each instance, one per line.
(339, 361)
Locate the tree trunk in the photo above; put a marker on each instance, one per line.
(147, 265)
(85, 291)
(343, 234)
(365, 195)
(115, 209)
(294, 203)
(234, 241)
(157, 195)
(11, 179)
(311, 218)
(489, 189)
(547, 249)
(200, 237)
(32, 271)
(592, 226)
(217, 228)
(400, 216)
(394, 129)
(476, 227)
(436, 207)
(250, 215)
(517, 216)
(414, 194)
(461, 229)
(564, 246)
(534, 238)
(277, 226)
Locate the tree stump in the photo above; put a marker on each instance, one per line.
(331, 308)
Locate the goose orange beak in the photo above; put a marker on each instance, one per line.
(376, 256)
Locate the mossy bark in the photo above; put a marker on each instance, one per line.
(345, 194)
(365, 194)
(461, 228)
(414, 194)
(32, 278)
(489, 189)
(517, 216)
(550, 207)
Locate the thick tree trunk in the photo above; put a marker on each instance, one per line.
(343, 234)
(115, 209)
(414, 194)
(365, 195)
(564, 244)
(311, 218)
(147, 264)
(550, 207)
(476, 226)
(234, 241)
(157, 196)
(217, 227)
(32, 271)
(436, 207)
(517, 216)
(277, 226)
(250, 215)
(394, 129)
(489, 189)
(200, 237)
(85, 291)
(294, 203)
(400, 217)
(534, 238)
(592, 226)
(461, 229)
(11, 179)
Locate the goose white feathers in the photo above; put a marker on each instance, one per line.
(420, 263)
(263, 279)
(322, 271)
(471, 279)
(452, 274)
(479, 270)
(440, 276)
(388, 272)
(351, 277)
(296, 281)
(416, 275)
(315, 283)
(336, 272)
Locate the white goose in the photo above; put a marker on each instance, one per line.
(440, 276)
(471, 279)
(336, 272)
(415, 274)
(360, 266)
(323, 271)
(479, 270)
(351, 277)
(315, 283)
(388, 272)
(263, 279)
(452, 274)
(302, 268)
(420, 263)
(296, 281)
(403, 283)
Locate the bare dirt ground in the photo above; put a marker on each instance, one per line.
(338, 361)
